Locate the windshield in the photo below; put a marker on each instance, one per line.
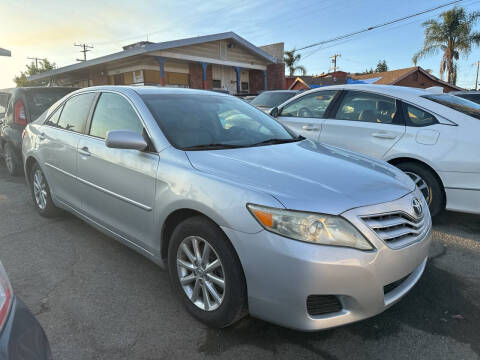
(196, 122)
(456, 103)
(271, 99)
(39, 101)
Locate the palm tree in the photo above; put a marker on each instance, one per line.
(290, 59)
(452, 35)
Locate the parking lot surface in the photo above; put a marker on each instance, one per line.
(97, 299)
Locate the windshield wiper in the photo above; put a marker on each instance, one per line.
(278, 141)
(213, 147)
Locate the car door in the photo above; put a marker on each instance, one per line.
(304, 115)
(365, 122)
(58, 142)
(117, 185)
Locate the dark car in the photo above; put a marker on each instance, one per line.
(469, 95)
(18, 107)
(267, 100)
(21, 335)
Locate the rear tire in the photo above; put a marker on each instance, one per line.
(12, 162)
(227, 303)
(428, 184)
(41, 193)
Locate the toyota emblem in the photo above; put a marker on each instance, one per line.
(417, 207)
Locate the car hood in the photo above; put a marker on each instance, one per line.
(307, 176)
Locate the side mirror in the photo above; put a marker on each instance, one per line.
(274, 112)
(125, 139)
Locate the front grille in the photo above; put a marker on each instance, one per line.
(393, 285)
(397, 229)
(323, 304)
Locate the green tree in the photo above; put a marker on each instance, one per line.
(381, 66)
(291, 59)
(32, 69)
(453, 35)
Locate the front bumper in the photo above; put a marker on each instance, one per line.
(22, 336)
(281, 273)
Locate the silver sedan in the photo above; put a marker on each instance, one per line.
(246, 216)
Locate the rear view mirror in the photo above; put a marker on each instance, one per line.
(125, 139)
(274, 112)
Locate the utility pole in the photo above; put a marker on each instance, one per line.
(334, 61)
(85, 48)
(476, 78)
(36, 60)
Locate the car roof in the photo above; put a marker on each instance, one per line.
(151, 90)
(394, 90)
(281, 91)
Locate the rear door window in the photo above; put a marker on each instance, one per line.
(367, 107)
(75, 112)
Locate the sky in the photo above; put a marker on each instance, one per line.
(49, 28)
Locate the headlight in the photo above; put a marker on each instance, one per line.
(313, 228)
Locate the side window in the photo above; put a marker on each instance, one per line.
(309, 106)
(53, 119)
(419, 117)
(113, 112)
(75, 112)
(3, 104)
(362, 106)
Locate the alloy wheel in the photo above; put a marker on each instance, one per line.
(200, 272)
(422, 186)
(40, 189)
(9, 161)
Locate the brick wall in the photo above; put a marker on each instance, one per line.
(196, 76)
(255, 80)
(276, 76)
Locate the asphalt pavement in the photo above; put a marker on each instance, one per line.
(97, 299)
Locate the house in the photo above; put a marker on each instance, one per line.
(311, 82)
(222, 61)
(412, 77)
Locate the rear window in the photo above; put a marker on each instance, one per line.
(271, 99)
(3, 104)
(472, 97)
(456, 103)
(39, 101)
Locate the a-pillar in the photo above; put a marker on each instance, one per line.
(237, 71)
(204, 75)
(161, 62)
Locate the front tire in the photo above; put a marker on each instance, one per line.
(427, 183)
(41, 193)
(206, 273)
(12, 162)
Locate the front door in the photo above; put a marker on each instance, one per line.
(304, 116)
(118, 185)
(366, 123)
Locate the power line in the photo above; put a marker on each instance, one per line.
(341, 37)
(85, 48)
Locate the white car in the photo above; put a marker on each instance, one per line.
(434, 138)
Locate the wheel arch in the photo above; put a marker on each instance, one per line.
(399, 160)
(175, 218)
(29, 162)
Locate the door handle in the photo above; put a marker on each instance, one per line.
(309, 128)
(384, 135)
(84, 151)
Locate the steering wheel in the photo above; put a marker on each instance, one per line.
(304, 112)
